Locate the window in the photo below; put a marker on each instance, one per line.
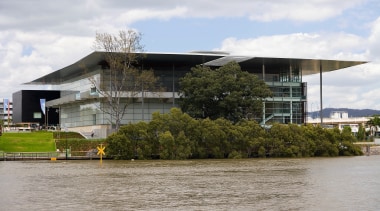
(94, 119)
(37, 115)
(93, 91)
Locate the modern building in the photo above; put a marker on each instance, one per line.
(29, 107)
(79, 105)
(340, 119)
(6, 111)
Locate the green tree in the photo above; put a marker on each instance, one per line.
(346, 146)
(298, 145)
(250, 139)
(181, 127)
(361, 133)
(326, 141)
(176, 135)
(119, 147)
(167, 146)
(131, 141)
(374, 122)
(261, 152)
(346, 134)
(227, 139)
(175, 121)
(282, 141)
(183, 147)
(226, 92)
(211, 140)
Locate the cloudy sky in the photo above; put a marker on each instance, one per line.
(41, 36)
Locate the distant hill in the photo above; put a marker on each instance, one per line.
(351, 112)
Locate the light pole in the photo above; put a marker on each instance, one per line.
(143, 90)
(47, 118)
(142, 100)
(66, 140)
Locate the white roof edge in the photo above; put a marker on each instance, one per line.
(224, 60)
(209, 53)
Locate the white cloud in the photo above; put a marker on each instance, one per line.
(331, 46)
(374, 40)
(50, 35)
(73, 16)
(302, 11)
(46, 52)
(258, 10)
(135, 15)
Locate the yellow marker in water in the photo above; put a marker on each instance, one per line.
(101, 151)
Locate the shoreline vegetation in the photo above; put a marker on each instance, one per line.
(177, 136)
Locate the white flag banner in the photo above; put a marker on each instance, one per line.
(6, 104)
(42, 103)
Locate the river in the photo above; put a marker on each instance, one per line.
(343, 183)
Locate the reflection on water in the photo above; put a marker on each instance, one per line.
(350, 183)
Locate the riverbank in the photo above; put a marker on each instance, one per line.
(20, 156)
(375, 150)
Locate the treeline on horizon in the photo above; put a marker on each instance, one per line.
(176, 135)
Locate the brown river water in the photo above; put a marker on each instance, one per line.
(344, 183)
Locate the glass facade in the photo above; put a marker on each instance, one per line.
(88, 109)
(288, 103)
(6, 110)
(81, 106)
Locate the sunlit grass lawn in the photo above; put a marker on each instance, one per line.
(27, 142)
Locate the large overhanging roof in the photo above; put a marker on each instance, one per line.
(308, 66)
(87, 63)
(70, 71)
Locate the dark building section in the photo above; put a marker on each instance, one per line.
(27, 107)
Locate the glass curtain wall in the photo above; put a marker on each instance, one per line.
(287, 104)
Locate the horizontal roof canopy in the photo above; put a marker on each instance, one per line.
(97, 57)
(308, 66)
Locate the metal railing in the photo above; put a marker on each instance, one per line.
(74, 155)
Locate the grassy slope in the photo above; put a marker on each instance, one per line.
(27, 142)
